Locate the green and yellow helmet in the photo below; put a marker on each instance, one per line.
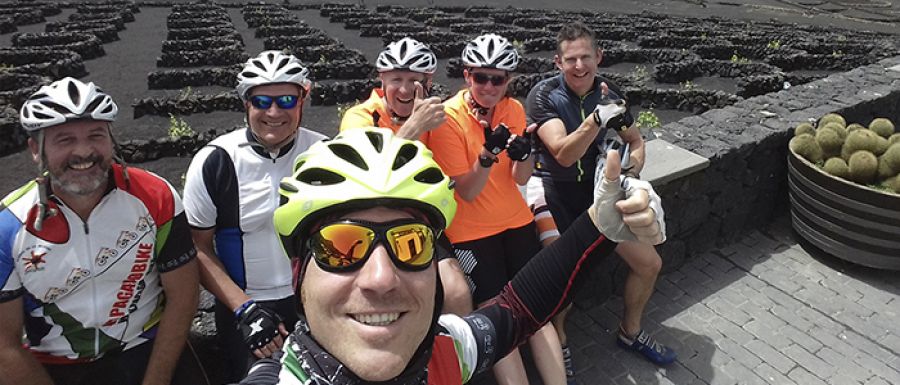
(359, 169)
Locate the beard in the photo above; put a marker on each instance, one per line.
(68, 180)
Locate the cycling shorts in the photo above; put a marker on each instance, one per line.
(489, 263)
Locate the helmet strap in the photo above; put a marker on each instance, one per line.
(475, 106)
(119, 159)
(43, 181)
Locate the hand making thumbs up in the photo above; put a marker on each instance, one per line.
(626, 208)
(427, 114)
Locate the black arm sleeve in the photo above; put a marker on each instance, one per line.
(546, 284)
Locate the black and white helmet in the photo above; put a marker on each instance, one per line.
(407, 54)
(490, 51)
(271, 67)
(64, 100)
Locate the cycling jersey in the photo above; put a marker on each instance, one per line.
(529, 300)
(373, 113)
(232, 186)
(456, 146)
(553, 99)
(92, 287)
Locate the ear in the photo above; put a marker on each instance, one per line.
(35, 151)
(557, 61)
(599, 55)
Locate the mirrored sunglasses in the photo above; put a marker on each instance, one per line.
(346, 245)
(264, 102)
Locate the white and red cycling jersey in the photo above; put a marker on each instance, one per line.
(92, 287)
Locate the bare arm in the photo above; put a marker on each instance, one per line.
(636, 156)
(19, 366)
(568, 148)
(215, 279)
(521, 171)
(470, 184)
(182, 289)
(212, 273)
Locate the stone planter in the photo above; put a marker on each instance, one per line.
(850, 221)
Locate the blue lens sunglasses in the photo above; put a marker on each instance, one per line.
(284, 102)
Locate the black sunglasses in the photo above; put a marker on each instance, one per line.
(264, 102)
(496, 80)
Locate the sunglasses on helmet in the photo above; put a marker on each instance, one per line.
(496, 80)
(285, 102)
(346, 245)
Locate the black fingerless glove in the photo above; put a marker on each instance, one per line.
(258, 326)
(519, 148)
(495, 140)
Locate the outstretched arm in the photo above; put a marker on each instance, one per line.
(547, 283)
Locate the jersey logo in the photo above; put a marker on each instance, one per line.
(53, 293)
(125, 238)
(35, 260)
(55, 228)
(143, 224)
(104, 255)
(76, 276)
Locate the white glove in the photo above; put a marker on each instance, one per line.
(608, 109)
(645, 216)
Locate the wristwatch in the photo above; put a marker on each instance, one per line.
(485, 161)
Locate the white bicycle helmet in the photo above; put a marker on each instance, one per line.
(272, 67)
(490, 51)
(407, 54)
(64, 100)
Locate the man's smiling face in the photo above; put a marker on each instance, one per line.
(578, 60)
(400, 89)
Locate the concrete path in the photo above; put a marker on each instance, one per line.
(764, 310)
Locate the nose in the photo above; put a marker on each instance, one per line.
(379, 274)
(273, 110)
(83, 148)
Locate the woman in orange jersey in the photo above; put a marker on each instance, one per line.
(485, 148)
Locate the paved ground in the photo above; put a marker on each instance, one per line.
(764, 310)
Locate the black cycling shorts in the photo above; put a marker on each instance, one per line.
(567, 200)
(489, 263)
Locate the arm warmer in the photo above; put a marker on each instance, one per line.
(544, 286)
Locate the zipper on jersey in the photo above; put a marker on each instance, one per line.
(583, 117)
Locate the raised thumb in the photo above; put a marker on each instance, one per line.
(420, 91)
(613, 166)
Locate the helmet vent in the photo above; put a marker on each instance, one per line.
(41, 115)
(406, 153)
(94, 105)
(258, 64)
(349, 154)
(57, 107)
(319, 177)
(249, 74)
(431, 175)
(288, 187)
(376, 139)
(74, 95)
(294, 70)
(282, 63)
(299, 164)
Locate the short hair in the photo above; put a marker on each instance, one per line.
(575, 31)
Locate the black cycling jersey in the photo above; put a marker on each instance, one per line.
(553, 99)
